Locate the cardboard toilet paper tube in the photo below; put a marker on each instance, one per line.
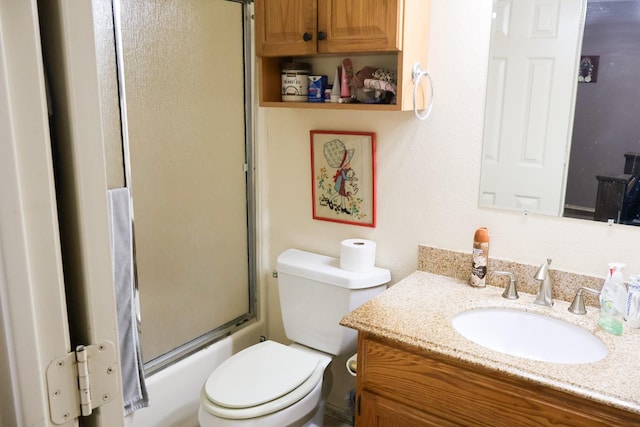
(357, 255)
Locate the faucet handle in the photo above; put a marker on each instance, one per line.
(577, 306)
(510, 292)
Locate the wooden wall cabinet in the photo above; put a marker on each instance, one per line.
(400, 385)
(307, 27)
(305, 30)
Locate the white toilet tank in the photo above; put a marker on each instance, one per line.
(315, 293)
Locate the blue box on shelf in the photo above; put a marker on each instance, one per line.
(317, 85)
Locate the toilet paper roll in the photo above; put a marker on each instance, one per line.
(357, 255)
(352, 364)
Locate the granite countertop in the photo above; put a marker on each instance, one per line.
(418, 311)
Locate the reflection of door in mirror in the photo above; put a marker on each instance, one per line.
(532, 74)
(606, 130)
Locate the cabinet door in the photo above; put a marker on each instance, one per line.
(377, 411)
(360, 25)
(286, 27)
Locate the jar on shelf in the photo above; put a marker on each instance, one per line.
(295, 81)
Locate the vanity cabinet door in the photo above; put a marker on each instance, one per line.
(377, 411)
(286, 27)
(359, 25)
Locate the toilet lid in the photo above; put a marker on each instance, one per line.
(259, 374)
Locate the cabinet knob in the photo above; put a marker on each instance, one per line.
(307, 37)
(322, 35)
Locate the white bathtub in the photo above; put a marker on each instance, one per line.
(174, 392)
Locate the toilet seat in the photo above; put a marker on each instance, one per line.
(262, 379)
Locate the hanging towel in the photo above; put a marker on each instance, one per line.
(134, 389)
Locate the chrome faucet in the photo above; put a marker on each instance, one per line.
(510, 291)
(545, 293)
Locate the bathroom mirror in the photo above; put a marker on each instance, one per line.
(561, 119)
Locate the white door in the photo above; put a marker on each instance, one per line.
(530, 98)
(34, 324)
(33, 313)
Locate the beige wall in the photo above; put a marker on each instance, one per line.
(428, 175)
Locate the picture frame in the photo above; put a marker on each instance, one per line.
(588, 69)
(343, 177)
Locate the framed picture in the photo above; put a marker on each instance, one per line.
(343, 177)
(588, 70)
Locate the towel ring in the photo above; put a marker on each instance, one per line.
(416, 76)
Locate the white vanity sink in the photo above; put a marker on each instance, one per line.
(529, 335)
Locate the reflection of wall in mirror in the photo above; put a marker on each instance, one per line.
(607, 114)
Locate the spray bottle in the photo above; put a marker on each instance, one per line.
(480, 257)
(613, 300)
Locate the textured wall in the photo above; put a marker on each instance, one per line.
(428, 177)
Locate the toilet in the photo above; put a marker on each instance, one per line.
(271, 384)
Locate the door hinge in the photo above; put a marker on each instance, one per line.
(81, 381)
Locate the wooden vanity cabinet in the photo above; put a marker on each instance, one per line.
(401, 385)
(305, 30)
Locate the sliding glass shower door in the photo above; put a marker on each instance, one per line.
(183, 85)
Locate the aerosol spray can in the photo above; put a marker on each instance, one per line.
(480, 257)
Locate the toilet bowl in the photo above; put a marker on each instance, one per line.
(274, 385)
(267, 384)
